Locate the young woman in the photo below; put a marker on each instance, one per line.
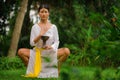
(50, 55)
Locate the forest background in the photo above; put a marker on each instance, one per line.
(89, 28)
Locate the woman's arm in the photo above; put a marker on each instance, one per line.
(56, 39)
(32, 36)
(37, 38)
(35, 35)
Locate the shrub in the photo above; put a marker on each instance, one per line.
(10, 63)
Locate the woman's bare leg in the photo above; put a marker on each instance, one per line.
(24, 54)
(63, 54)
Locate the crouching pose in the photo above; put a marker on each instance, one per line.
(42, 61)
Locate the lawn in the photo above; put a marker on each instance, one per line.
(16, 75)
(67, 73)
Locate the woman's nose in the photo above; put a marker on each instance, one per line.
(43, 13)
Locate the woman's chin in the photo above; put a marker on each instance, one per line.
(43, 19)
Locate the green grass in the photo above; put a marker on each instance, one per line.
(67, 73)
(16, 75)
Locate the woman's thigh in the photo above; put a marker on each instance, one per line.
(60, 52)
(24, 52)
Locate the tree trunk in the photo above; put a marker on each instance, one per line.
(17, 29)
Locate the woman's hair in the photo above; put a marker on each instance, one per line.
(46, 6)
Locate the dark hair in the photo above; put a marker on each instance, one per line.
(46, 6)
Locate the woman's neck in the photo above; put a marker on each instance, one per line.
(44, 21)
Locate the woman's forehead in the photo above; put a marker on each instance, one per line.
(43, 9)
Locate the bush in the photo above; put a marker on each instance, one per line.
(92, 39)
(88, 73)
(10, 63)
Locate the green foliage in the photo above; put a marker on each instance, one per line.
(88, 73)
(9, 10)
(4, 42)
(92, 39)
(67, 73)
(88, 30)
(10, 63)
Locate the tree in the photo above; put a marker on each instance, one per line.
(17, 29)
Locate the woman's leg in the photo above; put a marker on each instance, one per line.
(24, 54)
(63, 54)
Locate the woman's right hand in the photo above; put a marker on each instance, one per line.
(39, 36)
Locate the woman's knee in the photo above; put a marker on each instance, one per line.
(24, 52)
(63, 52)
(67, 51)
(20, 52)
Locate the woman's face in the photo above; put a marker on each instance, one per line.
(44, 14)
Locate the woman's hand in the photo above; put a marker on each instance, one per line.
(47, 47)
(42, 32)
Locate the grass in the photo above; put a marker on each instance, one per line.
(16, 75)
(67, 73)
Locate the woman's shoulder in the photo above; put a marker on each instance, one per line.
(35, 25)
(53, 25)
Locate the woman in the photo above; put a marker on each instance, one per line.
(50, 53)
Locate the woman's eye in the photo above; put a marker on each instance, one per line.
(41, 11)
(46, 12)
